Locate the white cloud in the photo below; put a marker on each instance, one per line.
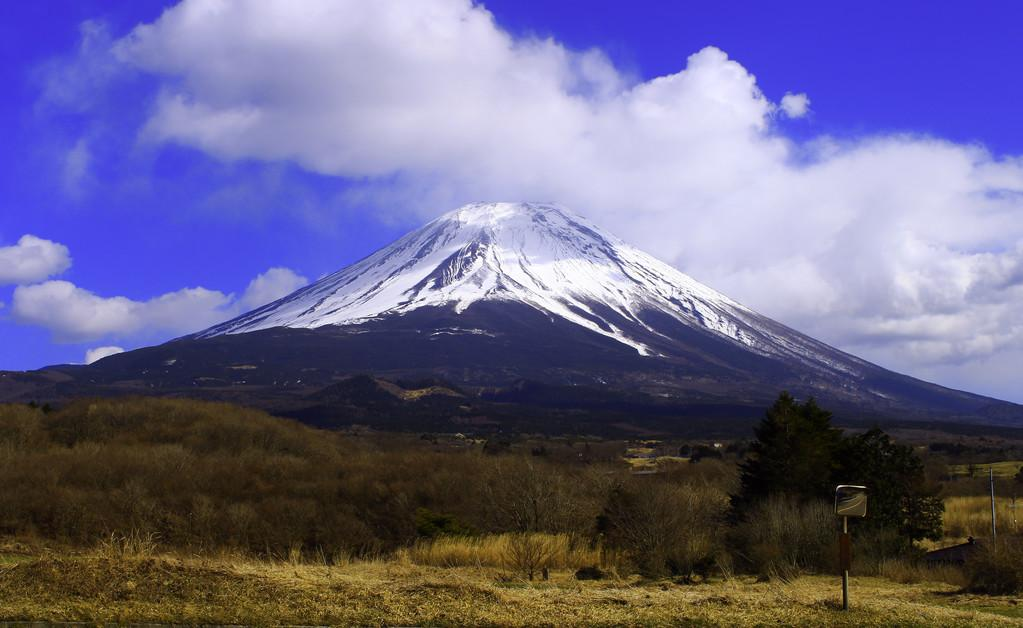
(908, 249)
(94, 355)
(795, 105)
(270, 286)
(32, 259)
(73, 314)
(73, 82)
(76, 173)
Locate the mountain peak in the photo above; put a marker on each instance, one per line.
(539, 254)
(489, 223)
(501, 212)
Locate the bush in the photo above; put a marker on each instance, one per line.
(589, 573)
(997, 569)
(532, 495)
(529, 553)
(874, 547)
(432, 524)
(782, 538)
(661, 528)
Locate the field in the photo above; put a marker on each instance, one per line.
(971, 516)
(99, 586)
(1003, 469)
(176, 511)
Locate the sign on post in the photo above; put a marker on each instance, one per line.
(850, 501)
(844, 552)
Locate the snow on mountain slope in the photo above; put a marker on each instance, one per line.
(541, 255)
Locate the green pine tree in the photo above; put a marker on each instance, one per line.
(795, 453)
(798, 453)
(901, 506)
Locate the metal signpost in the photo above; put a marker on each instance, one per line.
(850, 501)
(994, 528)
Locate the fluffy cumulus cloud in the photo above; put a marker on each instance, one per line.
(795, 105)
(74, 314)
(97, 354)
(32, 259)
(904, 248)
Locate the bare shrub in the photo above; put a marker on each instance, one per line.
(997, 568)
(525, 495)
(782, 537)
(528, 553)
(661, 528)
(21, 427)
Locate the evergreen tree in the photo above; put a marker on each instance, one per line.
(795, 453)
(798, 453)
(901, 506)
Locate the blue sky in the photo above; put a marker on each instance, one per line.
(881, 211)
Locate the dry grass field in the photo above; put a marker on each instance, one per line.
(105, 585)
(971, 516)
(236, 517)
(561, 551)
(1003, 469)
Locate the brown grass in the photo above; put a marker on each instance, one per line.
(493, 551)
(94, 588)
(971, 516)
(911, 572)
(1003, 469)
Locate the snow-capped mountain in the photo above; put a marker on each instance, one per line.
(516, 303)
(540, 255)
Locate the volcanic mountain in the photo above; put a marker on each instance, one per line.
(523, 302)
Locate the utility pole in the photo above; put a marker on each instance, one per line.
(994, 528)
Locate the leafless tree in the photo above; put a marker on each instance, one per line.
(529, 553)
